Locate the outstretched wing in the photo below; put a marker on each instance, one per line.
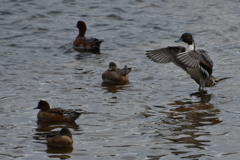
(196, 59)
(165, 55)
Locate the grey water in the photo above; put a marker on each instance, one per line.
(159, 115)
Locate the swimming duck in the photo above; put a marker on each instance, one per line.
(115, 75)
(196, 63)
(62, 138)
(56, 114)
(83, 43)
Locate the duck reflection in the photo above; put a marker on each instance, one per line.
(115, 88)
(190, 116)
(44, 126)
(60, 156)
(59, 150)
(82, 54)
(203, 96)
(185, 122)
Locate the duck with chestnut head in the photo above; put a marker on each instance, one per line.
(83, 43)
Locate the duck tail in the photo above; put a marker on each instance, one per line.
(127, 70)
(217, 79)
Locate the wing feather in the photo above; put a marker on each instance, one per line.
(164, 55)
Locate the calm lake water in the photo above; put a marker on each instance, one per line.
(159, 115)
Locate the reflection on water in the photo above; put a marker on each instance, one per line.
(149, 118)
(189, 116)
(43, 126)
(115, 88)
(83, 55)
(59, 156)
(184, 122)
(203, 95)
(57, 150)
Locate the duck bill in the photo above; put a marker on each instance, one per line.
(177, 41)
(36, 107)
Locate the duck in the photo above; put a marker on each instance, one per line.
(83, 43)
(56, 114)
(62, 138)
(115, 75)
(197, 63)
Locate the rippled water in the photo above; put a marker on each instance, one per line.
(159, 115)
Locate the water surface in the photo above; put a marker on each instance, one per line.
(159, 115)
